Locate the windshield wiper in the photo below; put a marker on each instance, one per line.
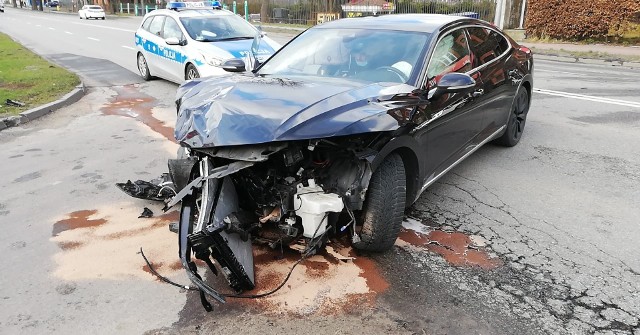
(236, 38)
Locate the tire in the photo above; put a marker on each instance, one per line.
(143, 68)
(103, 17)
(384, 206)
(191, 72)
(517, 119)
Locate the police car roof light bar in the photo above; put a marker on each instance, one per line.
(180, 5)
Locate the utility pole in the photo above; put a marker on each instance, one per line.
(501, 9)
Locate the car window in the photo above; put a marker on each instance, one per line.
(171, 29)
(486, 44)
(156, 25)
(147, 23)
(211, 29)
(95, 7)
(451, 54)
(375, 55)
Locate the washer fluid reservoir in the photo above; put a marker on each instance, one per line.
(312, 205)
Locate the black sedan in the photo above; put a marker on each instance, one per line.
(337, 133)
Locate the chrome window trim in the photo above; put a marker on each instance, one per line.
(424, 74)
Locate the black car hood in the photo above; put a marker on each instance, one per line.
(248, 109)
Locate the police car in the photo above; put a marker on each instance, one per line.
(192, 39)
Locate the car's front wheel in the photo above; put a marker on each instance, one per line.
(143, 68)
(517, 119)
(383, 211)
(191, 72)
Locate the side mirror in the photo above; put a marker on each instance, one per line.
(453, 83)
(233, 65)
(172, 41)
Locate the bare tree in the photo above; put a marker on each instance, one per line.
(264, 12)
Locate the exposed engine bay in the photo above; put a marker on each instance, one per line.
(277, 194)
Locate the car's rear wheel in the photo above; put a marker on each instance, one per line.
(143, 68)
(191, 72)
(103, 18)
(383, 211)
(517, 119)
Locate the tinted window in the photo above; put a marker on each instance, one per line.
(486, 44)
(156, 25)
(171, 29)
(450, 55)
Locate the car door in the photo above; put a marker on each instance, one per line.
(172, 55)
(151, 42)
(491, 57)
(453, 121)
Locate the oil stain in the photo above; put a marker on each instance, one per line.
(130, 102)
(79, 219)
(456, 248)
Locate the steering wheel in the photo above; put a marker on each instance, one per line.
(400, 74)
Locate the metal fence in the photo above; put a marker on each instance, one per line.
(311, 12)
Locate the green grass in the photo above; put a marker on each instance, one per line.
(26, 77)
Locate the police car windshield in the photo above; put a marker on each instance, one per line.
(218, 28)
(372, 55)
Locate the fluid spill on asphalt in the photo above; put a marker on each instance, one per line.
(456, 248)
(79, 219)
(130, 102)
(320, 285)
(104, 243)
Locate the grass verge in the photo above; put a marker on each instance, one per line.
(28, 78)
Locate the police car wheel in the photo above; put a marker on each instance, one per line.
(143, 68)
(191, 72)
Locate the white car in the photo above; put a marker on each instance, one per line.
(185, 43)
(91, 12)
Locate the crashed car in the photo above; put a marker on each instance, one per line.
(336, 134)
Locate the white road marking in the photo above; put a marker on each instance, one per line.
(50, 28)
(563, 72)
(588, 98)
(126, 47)
(68, 32)
(37, 25)
(105, 27)
(95, 39)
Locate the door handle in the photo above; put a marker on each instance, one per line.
(477, 93)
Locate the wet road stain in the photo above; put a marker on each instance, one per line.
(79, 219)
(130, 102)
(319, 285)
(456, 248)
(104, 244)
(27, 177)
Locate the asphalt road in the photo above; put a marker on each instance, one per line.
(536, 239)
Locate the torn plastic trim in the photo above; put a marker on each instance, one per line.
(218, 172)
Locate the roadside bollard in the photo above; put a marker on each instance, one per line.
(246, 10)
(234, 8)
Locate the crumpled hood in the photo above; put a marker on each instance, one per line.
(245, 109)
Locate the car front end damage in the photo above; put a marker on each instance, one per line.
(292, 169)
(278, 194)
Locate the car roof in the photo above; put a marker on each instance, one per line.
(406, 22)
(204, 12)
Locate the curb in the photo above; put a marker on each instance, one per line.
(45, 109)
(609, 62)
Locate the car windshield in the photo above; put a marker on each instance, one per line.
(95, 7)
(370, 55)
(218, 28)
